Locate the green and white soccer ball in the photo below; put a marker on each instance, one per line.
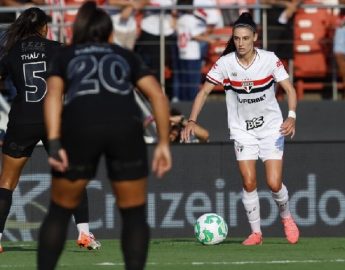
(210, 229)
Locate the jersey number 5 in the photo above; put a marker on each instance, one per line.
(33, 81)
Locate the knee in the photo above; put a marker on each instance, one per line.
(275, 186)
(249, 185)
(66, 201)
(8, 182)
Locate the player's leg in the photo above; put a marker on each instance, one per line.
(65, 197)
(127, 165)
(247, 154)
(11, 170)
(131, 201)
(81, 218)
(271, 152)
(19, 142)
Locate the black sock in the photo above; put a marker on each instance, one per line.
(81, 213)
(5, 206)
(52, 236)
(135, 237)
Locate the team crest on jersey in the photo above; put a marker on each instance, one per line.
(247, 86)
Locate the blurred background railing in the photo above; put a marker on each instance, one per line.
(312, 65)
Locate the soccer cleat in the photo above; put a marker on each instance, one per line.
(88, 241)
(291, 230)
(253, 239)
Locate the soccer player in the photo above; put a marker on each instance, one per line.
(248, 75)
(90, 111)
(24, 57)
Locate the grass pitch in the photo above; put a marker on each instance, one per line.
(186, 254)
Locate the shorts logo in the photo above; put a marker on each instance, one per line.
(255, 122)
(247, 86)
(238, 147)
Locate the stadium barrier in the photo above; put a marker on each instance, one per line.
(204, 179)
(314, 27)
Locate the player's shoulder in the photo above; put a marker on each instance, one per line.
(265, 54)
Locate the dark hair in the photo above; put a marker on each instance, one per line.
(244, 20)
(92, 24)
(29, 23)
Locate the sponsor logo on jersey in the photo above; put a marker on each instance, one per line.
(255, 122)
(251, 100)
(234, 74)
(247, 85)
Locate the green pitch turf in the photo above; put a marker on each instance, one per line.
(187, 254)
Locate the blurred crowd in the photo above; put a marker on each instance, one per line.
(195, 33)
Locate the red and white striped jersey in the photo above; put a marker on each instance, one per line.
(253, 110)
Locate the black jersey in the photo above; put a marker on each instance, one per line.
(99, 81)
(27, 64)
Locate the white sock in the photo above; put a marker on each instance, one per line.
(0, 237)
(282, 200)
(83, 227)
(251, 204)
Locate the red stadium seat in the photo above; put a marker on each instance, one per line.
(311, 47)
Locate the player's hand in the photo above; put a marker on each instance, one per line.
(57, 159)
(288, 127)
(161, 162)
(188, 130)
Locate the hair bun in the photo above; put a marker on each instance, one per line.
(246, 20)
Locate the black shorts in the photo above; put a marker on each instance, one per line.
(20, 140)
(121, 143)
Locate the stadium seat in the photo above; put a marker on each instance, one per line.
(312, 46)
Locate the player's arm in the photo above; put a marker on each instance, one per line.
(288, 126)
(151, 89)
(199, 102)
(52, 107)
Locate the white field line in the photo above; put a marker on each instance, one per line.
(235, 263)
(4, 266)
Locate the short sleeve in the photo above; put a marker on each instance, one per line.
(215, 75)
(279, 72)
(55, 66)
(138, 68)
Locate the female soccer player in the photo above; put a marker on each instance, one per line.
(255, 120)
(25, 56)
(90, 111)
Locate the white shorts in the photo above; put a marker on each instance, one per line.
(271, 147)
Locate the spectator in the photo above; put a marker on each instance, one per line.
(191, 30)
(124, 21)
(10, 17)
(177, 123)
(148, 42)
(230, 15)
(339, 45)
(280, 35)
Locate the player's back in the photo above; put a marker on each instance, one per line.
(26, 63)
(99, 82)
